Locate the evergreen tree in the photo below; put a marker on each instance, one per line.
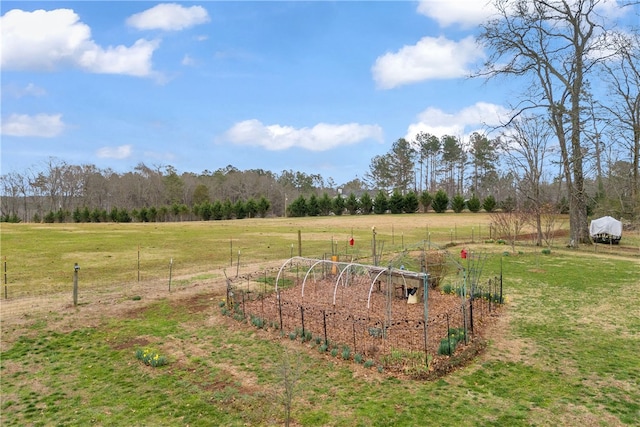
(313, 206)
(457, 203)
(239, 209)
(352, 204)
(366, 204)
(216, 210)
(473, 204)
(411, 202)
(325, 204)
(425, 200)
(396, 202)
(205, 210)
(227, 209)
(489, 203)
(263, 206)
(251, 206)
(298, 208)
(440, 201)
(77, 216)
(380, 203)
(337, 205)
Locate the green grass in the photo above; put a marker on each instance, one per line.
(566, 355)
(40, 257)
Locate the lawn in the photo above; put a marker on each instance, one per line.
(564, 351)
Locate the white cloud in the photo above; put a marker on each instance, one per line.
(120, 152)
(321, 137)
(169, 17)
(134, 60)
(430, 58)
(43, 125)
(46, 40)
(22, 91)
(467, 13)
(188, 60)
(461, 123)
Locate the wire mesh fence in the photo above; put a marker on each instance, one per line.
(378, 314)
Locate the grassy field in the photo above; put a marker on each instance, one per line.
(40, 257)
(563, 352)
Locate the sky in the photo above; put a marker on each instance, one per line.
(318, 87)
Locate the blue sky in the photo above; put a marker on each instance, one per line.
(320, 87)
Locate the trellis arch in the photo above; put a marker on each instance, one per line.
(374, 272)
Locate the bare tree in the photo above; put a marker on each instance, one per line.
(525, 146)
(289, 372)
(554, 43)
(508, 225)
(622, 73)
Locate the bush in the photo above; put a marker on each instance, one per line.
(489, 204)
(440, 202)
(458, 203)
(473, 204)
(411, 202)
(396, 202)
(425, 200)
(380, 203)
(366, 204)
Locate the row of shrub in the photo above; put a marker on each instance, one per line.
(396, 203)
(325, 205)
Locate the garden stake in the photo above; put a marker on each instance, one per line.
(324, 323)
(170, 271)
(280, 311)
(76, 268)
(448, 335)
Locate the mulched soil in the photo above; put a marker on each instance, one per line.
(377, 323)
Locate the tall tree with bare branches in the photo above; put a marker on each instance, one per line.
(555, 44)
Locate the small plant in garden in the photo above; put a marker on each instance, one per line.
(448, 345)
(257, 322)
(334, 352)
(292, 336)
(307, 336)
(358, 358)
(346, 353)
(546, 251)
(150, 357)
(318, 340)
(369, 363)
(323, 348)
(222, 303)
